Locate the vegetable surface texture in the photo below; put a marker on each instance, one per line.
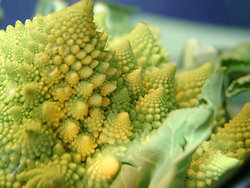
(74, 113)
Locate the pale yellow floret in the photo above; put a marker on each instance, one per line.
(32, 141)
(85, 72)
(64, 68)
(42, 59)
(63, 94)
(94, 64)
(57, 60)
(72, 78)
(87, 60)
(208, 166)
(85, 89)
(111, 71)
(102, 67)
(95, 121)
(78, 109)
(61, 173)
(124, 57)
(233, 138)
(135, 82)
(117, 127)
(107, 88)
(121, 101)
(81, 54)
(105, 101)
(189, 85)
(30, 124)
(28, 57)
(70, 59)
(153, 108)
(84, 144)
(97, 79)
(51, 75)
(89, 48)
(16, 113)
(33, 47)
(52, 113)
(95, 53)
(147, 49)
(68, 130)
(95, 100)
(10, 93)
(161, 77)
(101, 170)
(25, 71)
(11, 69)
(77, 66)
(30, 94)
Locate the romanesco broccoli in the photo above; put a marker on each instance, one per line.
(226, 148)
(70, 107)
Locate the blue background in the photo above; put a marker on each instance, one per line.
(223, 12)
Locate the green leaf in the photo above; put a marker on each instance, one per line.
(235, 103)
(195, 53)
(238, 53)
(212, 89)
(194, 127)
(162, 161)
(1, 13)
(120, 8)
(45, 7)
(176, 139)
(113, 19)
(237, 61)
(239, 85)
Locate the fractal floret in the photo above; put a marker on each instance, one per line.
(208, 166)
(65, 96)
(71, 106)
(189, 85)
(234, 139)
(226, 148)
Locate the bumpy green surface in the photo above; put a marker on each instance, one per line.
(208, 166)
(70, 107)
(64, 97)
(226, 148)
(189, 85)
(234, 138)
